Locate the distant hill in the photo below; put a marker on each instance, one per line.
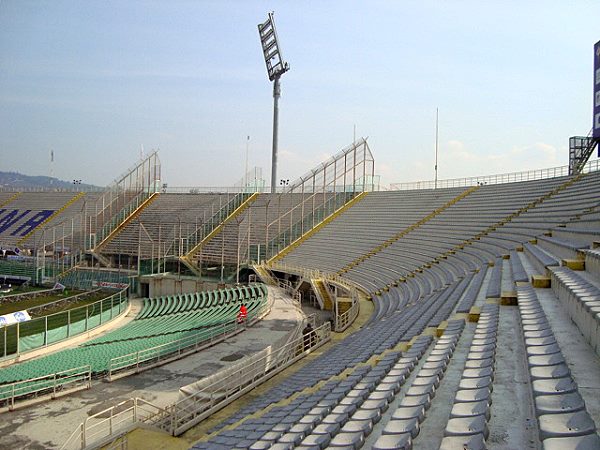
(15, 180)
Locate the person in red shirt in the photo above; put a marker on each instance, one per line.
(243, 314)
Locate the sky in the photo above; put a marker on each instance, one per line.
(98, 81)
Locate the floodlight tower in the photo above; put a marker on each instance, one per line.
(275, 68)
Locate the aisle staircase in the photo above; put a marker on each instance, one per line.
(265, 274)
(324, 295)
(213, 226)
(50, 218)
(10, 200)
(525, 208)
(114, 226)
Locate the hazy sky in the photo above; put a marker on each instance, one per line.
(96, 80)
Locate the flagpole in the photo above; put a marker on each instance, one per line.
(51, 165)
(246, 171)
(436, 144)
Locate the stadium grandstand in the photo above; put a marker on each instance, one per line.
(461, 315)
(326, 313)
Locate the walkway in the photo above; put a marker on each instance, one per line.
(49, 424)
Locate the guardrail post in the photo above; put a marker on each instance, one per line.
(173, 420)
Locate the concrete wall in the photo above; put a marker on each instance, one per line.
(160, 285)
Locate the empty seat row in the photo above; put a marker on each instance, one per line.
(561, 248)
(467, 425)
(518, 271)
(539, 258)
(563, 420)
(494, 289)
(472, 292)
(581, 299)
(404, 424)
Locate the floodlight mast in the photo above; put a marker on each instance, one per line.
(275, 68)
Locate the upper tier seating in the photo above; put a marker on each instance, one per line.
(489, 209)
(166, 219)
(376, 388)
(27, 215)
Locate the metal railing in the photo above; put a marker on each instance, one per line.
(341, 321)
(109, 226)
(315, 216)
(33, 311)
(150, 357)
(52, 385)
(315, 273)
(239, 379)
(43, 331)
(213, 222)
(104, 426)
(23, 295)
(513, 177)
(73, 188)
(344, 320)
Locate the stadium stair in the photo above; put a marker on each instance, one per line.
(97, 250)
(324, 296)
(10, 199)
(221, 218)
(265, 274)
(317, 227)
(563, 420)
(49, 219)
(571, 249)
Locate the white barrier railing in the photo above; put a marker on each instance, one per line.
(49, 385)
(513, 177)
(104, 426)
(240, 379)
(344, 320)
(107, 425)
(315, 273)
(341, 321)
(89, 316)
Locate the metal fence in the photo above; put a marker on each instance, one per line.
(105, 426)
(54, 385)
(513, 177)
(100, 428)
(235, 381)
(344, 320)
(43, 331)
(341, 321)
